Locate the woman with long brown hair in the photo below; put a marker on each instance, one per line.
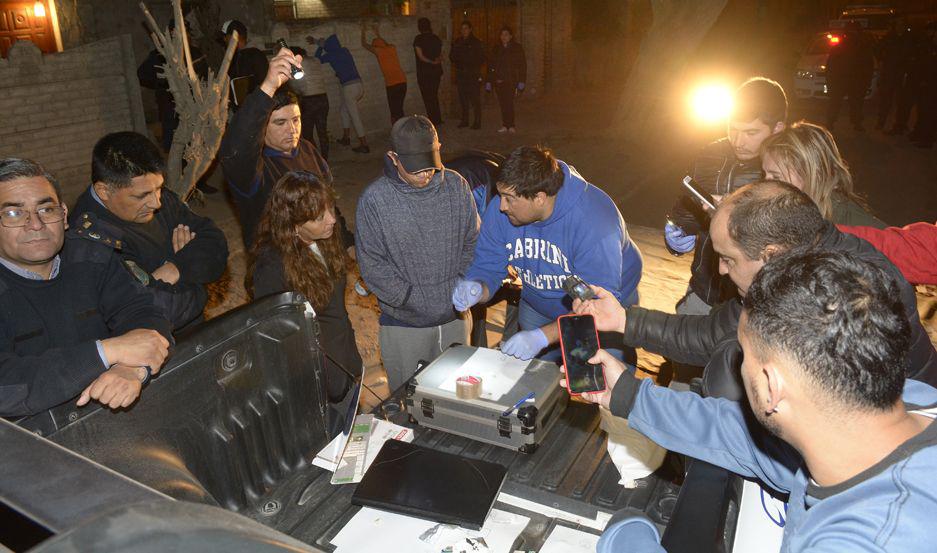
(301, 245)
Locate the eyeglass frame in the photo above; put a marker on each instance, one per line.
(29, 214)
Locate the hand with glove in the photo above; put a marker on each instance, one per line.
(466, 294)
(634, 533)
(677, 239)
(520, 86)
(488, 87)
(525, 344)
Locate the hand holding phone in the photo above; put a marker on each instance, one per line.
(699, 194)
(579, 342)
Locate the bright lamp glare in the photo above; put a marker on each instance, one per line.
(712, 103)
(39, 10)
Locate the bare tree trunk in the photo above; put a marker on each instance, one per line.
(202, 105)
(677, 29)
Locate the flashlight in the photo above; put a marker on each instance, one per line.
(296, 72)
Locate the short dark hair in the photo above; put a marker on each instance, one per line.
(423, 25)
(760, 98)
(284, 97)
(235, 25)
(13, 168)
(119, 157)
(508, 29)
(771, 212)
(467, 23)
(531, 169)
(840, 318)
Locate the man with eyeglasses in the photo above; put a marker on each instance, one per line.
(74, 322)
(416, 231)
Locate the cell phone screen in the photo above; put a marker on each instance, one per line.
(579, 342)
(698, 193)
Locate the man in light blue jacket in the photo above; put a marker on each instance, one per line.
(849, 440)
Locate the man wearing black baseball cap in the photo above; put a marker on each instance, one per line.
(416, 232)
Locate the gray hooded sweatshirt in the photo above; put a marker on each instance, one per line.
(414, 244)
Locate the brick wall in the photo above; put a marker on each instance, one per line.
(54, 107)
(308, 9)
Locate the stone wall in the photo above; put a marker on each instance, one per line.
(54, 107)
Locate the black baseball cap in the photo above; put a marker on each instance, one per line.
(416, 143)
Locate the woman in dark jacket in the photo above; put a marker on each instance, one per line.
(301, 246)
(507, 72)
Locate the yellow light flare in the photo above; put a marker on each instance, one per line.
(39, 10)
(711, 103)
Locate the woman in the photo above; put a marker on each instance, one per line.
(507, 71)
(806, 156)
(301, 245)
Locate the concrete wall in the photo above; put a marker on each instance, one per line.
(53, 108)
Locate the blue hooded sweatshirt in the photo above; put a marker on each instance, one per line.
(584, 236)
(333, 53)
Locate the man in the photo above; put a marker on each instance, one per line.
(759, 110)
(263, 142)
(851, 443)
(395, 80)
(427, 47)
(313, 102)
(750, 226)
(849, 73)
(468, 56)
(548, 224)
(416, 231)
(170, 249)
(74, 322)
(330, 50)
(248, 66)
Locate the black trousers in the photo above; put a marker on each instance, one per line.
(505, 91)
(429, 89)
(470, 98)
(314, 113)
(395, 96)
(856, 93)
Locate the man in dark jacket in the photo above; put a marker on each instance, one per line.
(467, 56)
(507, 74)
(427, 47)
(759, 110)
(74, 322)
(170, 249)
(263, 142)
(849, 73)
(248, 66)
(750, 226)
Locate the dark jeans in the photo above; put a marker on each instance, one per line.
(856, 93)
(429, 89)
(395, 96)
(505, 93)
(314, 111)
(470, 98)
(887, 94)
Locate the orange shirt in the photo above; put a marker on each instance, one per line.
(390, 64)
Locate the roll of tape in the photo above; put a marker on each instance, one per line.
(468, 387)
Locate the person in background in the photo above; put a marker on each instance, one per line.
(313, 102)
(263, 142)
(828, 418)
(806, 156)
(913, 248)
(301, 245)
(507, 73)
(329, 50)
(894, 52)
(167, 247)
(416, 232)
(74, 321)
(849, 73)
(248, 66)
(428, 50)
(395, 80)
(467, 55)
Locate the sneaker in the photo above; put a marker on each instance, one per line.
(503, 130)
(512, 130)
(345, 141)
(361, 149)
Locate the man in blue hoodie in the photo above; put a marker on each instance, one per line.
(549, 224)
(331, 51)
(850, 441)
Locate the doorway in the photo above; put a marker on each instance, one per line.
(30, 21)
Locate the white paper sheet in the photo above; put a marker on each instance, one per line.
(567, 540)
(382, 431)
(598, 523)
(499, 373)
(373, 530)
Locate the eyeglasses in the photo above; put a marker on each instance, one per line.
(15, 217)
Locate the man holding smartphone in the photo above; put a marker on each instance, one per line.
(549, 224)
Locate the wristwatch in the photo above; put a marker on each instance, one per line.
(147, 373)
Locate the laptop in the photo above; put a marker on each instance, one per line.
(421, 482)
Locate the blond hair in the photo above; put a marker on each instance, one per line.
(810, 151)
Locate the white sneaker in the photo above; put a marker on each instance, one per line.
(512, 130)
(503, 130)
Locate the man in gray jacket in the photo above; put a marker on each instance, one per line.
(416, 232)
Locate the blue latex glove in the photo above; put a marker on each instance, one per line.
(525, 344)
(520, 86)
(631, 534)
(677, 240)
(487, 87)
(466, 294)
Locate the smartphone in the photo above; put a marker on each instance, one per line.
(701, 195)
(579, 340)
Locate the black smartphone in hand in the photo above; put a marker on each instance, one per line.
(699, 194)
(579, 340)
